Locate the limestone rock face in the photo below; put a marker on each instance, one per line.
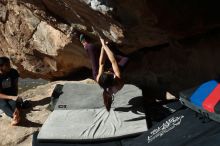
(175, 67)
(39, 35)
(35, 46)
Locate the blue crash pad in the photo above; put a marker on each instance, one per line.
(202, 92)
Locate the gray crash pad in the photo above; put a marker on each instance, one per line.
(80, 96)
(85, 117)
(89, 96)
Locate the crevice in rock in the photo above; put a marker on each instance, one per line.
(58, 18)
(4, 2)
(49, 14)
(45, 57)
(76, 75)
(137, 53)
(24, 138)
(6, 16)
(32, 34)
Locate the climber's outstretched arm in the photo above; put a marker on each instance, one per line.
(111, 57)
(102, 59)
